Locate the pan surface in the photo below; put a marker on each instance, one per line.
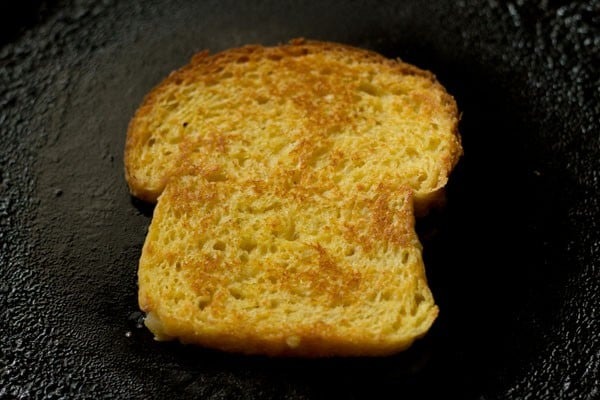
(513, 260)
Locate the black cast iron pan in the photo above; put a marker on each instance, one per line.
(513, 259)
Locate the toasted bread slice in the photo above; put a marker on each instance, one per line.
(306, 105)
(277, 268)
(288, 178)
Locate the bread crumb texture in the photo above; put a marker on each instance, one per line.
(287, 180)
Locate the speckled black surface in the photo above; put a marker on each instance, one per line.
(513, 260)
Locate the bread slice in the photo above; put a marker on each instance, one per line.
(299, 106)
(281, 269)
(286, 180)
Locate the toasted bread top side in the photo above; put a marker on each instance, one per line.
(304, 108)
(265, 267)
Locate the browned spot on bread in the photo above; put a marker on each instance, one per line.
(392, 217)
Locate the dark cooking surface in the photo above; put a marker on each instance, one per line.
(513, 260)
